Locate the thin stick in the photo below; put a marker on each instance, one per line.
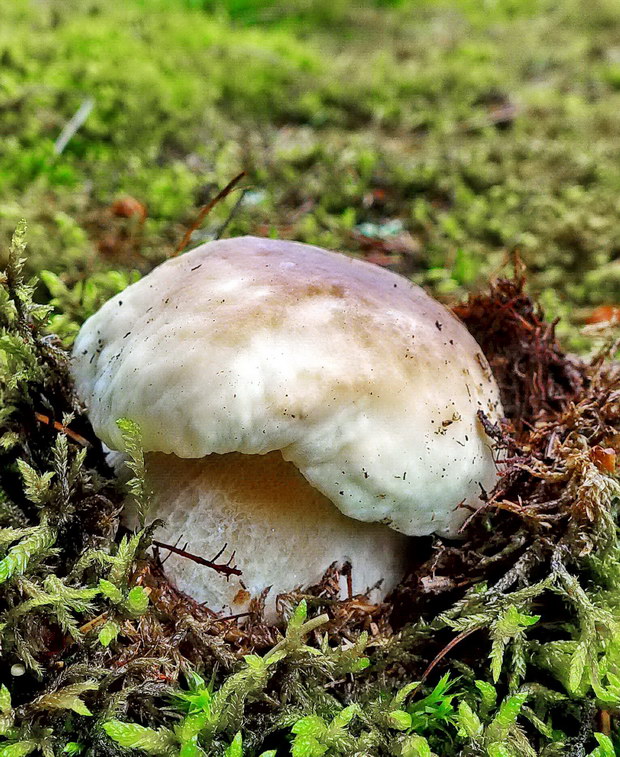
(72, 126)
(63, 429)
(226, 568)
(448, 648)
(234, 617)
(231, 215)
(161, 562)
(94, 622)
(205, 210)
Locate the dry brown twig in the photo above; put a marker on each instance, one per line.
(225, 568)
(205, 210)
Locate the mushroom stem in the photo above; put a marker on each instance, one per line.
(283, 532)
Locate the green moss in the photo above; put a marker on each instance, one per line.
(453, 135)
(482, 131)
(79, 623)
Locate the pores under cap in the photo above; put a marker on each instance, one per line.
(364, 382)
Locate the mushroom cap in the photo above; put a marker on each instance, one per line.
(365, 383)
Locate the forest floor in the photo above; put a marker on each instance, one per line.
(436, 138)
(444, 140)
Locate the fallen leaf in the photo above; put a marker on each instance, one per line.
(126, 207)
(604, 313)
(604, 458)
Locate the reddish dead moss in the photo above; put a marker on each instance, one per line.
(534, 374)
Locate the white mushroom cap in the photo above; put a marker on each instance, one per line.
(367, 385)
(364, 382)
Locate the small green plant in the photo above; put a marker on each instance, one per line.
(208, 713)
(314, 737)
(435, 711)
(498, 734)
(605, 747)
(137, 487)
(185, 739)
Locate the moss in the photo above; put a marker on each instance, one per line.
(106, 654)
(466, 126)
(439, 138)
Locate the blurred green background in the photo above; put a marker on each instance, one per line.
(432, 137)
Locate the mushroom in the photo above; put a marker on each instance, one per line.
(297, 405)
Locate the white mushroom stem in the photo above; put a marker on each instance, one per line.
(283, 532)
